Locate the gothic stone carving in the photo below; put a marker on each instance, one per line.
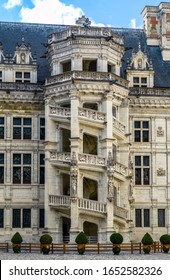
(160, 172)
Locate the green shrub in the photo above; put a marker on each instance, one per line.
(147, 239)
(81, 238)
(165, 239)
(116, 238)
(46, 239)
(17, 238)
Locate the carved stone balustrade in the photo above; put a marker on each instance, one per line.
(120, 212)
(91, 115)
(96, 32)
(59, 200)
(91, 160)
(118, 126)
(121, 169)
(60, 112)
(64, 157)
(92, 205)
(85, 75)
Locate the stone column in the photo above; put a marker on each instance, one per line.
(110, 197)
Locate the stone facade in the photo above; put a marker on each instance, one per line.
(102, 164)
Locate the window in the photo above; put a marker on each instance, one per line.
(142, 170)
(142, 217)
(22, 77)
(66, 66)
(0, 76)
(16, 218)
(21, 168)
(141, 131)
(111, 68)
(90, 65)
(42, 169)
(1, 168)
(139, 81)
(1, 218)
(42, 128)
(22, 128)
(23, 215)
(26, 218)
(41, 218)
(161, 217)
(1, 127)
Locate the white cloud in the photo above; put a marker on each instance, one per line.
(133, 23)
(50, 11)
(12, 3)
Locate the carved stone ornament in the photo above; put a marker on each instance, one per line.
(160, 131)
(160, 172)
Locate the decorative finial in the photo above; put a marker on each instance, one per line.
(83, 21)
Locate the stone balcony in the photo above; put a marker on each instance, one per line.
(119, 129)
(86, 116)
(90, 206)
(87, 161)
(87, 76)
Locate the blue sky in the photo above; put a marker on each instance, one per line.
(122, 13)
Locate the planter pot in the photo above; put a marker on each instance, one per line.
(147, 248)
(81, 248)
(16, 248)
(116, 249)
(45, 248)
(165, 248)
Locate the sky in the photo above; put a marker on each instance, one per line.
(121, 13)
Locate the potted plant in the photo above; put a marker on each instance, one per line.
(16, 242)
(147, 242)
(45, 241)
(116, 239)
(165, 241)
(81, 241)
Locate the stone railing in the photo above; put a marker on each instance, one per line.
(91, 159)
(120, 212)
(91, 115)
(65, 157)
(92, 205)
(60, 111)
(96, 32)
(149, 92)
(118, 125)
(20, 87)
(121, 169)
(59, 200)
(86, 75)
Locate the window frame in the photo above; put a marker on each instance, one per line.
(22, 135)
(142, 217)
(142, 170)
(141, 130)
(161, 222)
(21, 168)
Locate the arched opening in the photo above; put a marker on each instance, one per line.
(89, 144)
(91, 230)
(66, 223)
(90, 189)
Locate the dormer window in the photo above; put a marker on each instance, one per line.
(22, 77)
(139, 63)
(139, 82)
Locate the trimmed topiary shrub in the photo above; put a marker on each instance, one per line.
(165, 241)
(81, 241)
(116, 238)
(16, 240)
(147, 242)
(81, 238)
(45, 241)
(147, 239)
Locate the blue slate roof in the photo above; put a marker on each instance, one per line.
(36, 35)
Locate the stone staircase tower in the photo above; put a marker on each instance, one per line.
(87, 149)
